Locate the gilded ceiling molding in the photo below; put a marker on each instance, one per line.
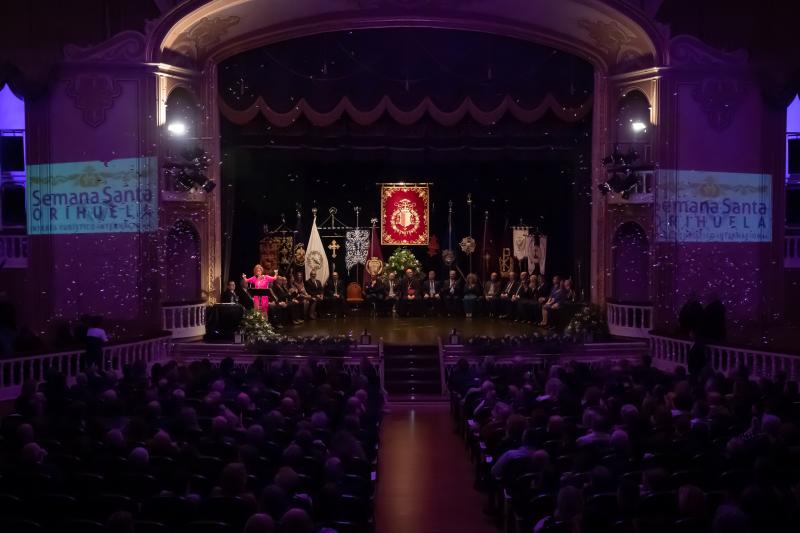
(207, 32)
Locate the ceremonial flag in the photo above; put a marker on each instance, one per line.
(316, 260)
(374, 264)
(357, 247)
(404, 214)
(520, 241)
(536, 251)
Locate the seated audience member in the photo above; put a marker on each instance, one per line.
(335, 296)
(244, 296)
(392, 290)
(410, 299)
(452, 292)
(504, 304)
(491, 293)
(519, 296)
(430, 294)
(557, 298)
(569, 509)
(315, 293)
(527, 449)
(288, 309)
(230, 295)
(299, 293)
(375, 293)
(529, 311)
(259, 523)
(472, 295)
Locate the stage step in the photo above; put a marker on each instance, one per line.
(410, 371)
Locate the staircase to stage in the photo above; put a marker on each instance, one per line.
(411, 371)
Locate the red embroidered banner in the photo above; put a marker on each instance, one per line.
(404, 214)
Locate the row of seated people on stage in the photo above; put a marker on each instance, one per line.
(527, 299)
(296, 301)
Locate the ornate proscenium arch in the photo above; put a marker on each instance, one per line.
(608, 33)
(188, 43)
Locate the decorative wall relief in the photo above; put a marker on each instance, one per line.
(125, 46)
(94, 96)
(202, 36)
(719, 99)
(611, 37)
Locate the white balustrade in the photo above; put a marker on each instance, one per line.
(184, 321)
(14, 251)
(17, 371)
(668, 353)
(791, 251)
(626, 320)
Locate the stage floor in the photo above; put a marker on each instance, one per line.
(411, 331)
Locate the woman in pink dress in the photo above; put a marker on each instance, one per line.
(259, 280)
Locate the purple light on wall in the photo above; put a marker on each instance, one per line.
(12, 110)
(793, 116)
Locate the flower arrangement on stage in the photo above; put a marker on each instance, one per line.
(256, 329)
(509, 343)
(586, 325)
(402, 259)
(313, 345)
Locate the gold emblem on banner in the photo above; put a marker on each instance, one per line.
(300, 254)
(374, 266)
(314, 259)
(405, 219)
(506, 262)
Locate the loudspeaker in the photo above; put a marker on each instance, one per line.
(793, 147)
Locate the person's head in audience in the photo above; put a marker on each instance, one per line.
(231, 286)
(259, 523)
(569, 504)
(233, 480)
(512, 276)
(523, 277)
(139, 459)
(730, 519)
(431, 275)
(296, 521)
(691, 502)
(121, 522)
(391, 276)
(493, 276)
(409, 273)
(556, 282)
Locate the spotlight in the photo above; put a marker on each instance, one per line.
(638, 126)
(176, 128)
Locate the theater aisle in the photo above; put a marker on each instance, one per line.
(426, 477)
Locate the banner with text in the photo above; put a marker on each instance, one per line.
(93, 197)
(709, 206)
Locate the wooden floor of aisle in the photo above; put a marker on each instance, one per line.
(426, 478)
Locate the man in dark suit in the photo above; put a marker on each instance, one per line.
(409, 295)
(510, 287)
(391, 293)
(504, 300)
(288, 307)
(375, 293)
(430, 294)
(230, 296)
(335, 296)
(519, 295)
(452, 292)
(244, 296)
(491, 293)
(315, 292)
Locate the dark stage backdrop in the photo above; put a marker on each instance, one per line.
(551, 193)
(529, 167)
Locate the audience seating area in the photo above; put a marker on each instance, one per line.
(193, 448)
(627, 448)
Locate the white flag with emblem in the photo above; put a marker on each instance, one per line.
(316, 260)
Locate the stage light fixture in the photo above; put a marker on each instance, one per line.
(638, 126)
(176, 128)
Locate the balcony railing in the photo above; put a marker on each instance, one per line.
(628, 320)
(641, 194)
(184, 321)
(14, 251)
(17, 371)
(668, 353)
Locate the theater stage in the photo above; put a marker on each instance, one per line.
(411, 331)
